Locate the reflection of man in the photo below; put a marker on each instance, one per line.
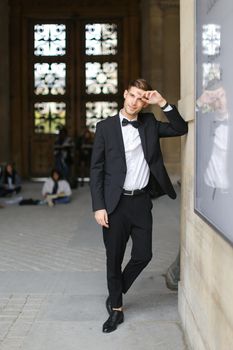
(126, 153)
(216, 174)
(213, 101)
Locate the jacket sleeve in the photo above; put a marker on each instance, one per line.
(177, 126)
(97, 170)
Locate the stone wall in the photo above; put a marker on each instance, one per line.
(206, 286)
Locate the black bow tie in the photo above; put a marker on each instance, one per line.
(134, 123)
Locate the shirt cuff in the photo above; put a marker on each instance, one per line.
(167, 108)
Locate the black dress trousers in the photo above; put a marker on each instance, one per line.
(131, 218)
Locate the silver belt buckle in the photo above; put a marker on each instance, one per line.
(129, 194)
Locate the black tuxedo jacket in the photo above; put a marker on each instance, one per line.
(108, 164)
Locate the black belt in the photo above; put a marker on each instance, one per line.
(134, 192)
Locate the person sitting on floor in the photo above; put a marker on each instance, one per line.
(10, 181)
(56, 190)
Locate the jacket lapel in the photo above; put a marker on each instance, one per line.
(119, 135)
(141, 131)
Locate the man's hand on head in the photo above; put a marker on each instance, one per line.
(154, 97)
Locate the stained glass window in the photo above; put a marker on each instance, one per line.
(101, 39)
(101, 78)
(96, 111)
(49, 117)
(49, 39)
(101, 71)
(50, 78)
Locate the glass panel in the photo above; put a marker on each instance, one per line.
(101, 39)
(49, 39)
(50, 78)
(101, 78)
(49, 117)
(214, 112)
(211, 72)
(96, 111)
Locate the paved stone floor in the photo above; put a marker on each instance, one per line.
(53, 286)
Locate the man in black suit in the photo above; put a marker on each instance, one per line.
(126, 165)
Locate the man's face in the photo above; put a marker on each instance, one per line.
(133, 103)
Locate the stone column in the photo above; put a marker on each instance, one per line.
(171, 86)
(171, 50)
(161, 63)
(171, 76)
(152, 44)
(4, 82)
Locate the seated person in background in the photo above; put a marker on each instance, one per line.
(56, 190)
(10, 181)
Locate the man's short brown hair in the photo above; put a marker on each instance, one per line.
(140, 84)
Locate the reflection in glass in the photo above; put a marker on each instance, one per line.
(211, 39)
(216, 173)
(213, 105)
(101, 78)
(49, 39)
(49, 117)
(101, 39)
(211, 72)
(49, 78)
(96, 111)
(213, 100)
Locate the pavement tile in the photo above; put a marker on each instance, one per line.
(53, 281)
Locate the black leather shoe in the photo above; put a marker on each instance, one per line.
(116, 318)
(108, 305)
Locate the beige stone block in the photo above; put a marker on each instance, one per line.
(214, 327)
(206, 287)
(208, 254)
(187, 24)
(187, 63)
(186, 106)
(212, 256)
(188, 169)
(187, 47)
(188, 322)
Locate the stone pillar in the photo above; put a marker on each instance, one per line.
(206, 281)
(160, 63)
(152, 44)
(171, 50)
(171, 77)
(4, 82)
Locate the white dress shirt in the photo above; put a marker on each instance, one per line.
(138, 171)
